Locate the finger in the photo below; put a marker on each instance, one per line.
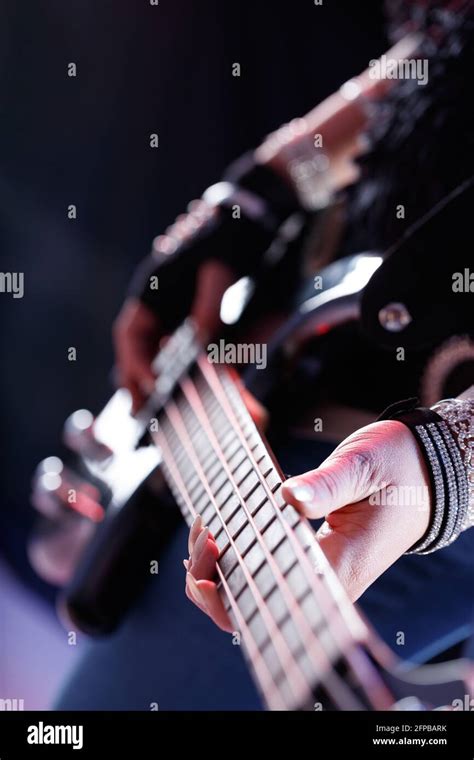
(139, 369)
(204, 557)
(209, 593)
(205, 595)
(193, 593)
(136, 334)
(338, 481)
(196, 528)
(136, 375)
(213, 280)
(201, 568)
(137, 397)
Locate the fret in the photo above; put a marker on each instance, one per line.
(233, 448)
(202, 503)
(254, 559)
(235, 524)
(237, 460)
(242, 470)
(197, 491)
(275, 668)
(264, 680)
(289, 513)
(245, 539)
(240, 498)
(207, 511)
(212, 468)
(247, 604)
(297, 581)
(273, 480)
(218, 481)
(277, 606)
(265, 580)
(256, 499)
(312, 611)
(221, 540)
(283, 556)
(223, 494)
(251, 484)
(292, 635)
(236, 581)
(264, 516)
(214, 524)
(229, 439)
(258, 631)
(231, 505)
(273, 535)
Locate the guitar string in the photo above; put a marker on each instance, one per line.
(309, 640)
(256, 651)
(277, 511)
(371, 683)
(284, 652)
(271, 693)
(334, 591)
(348, 616)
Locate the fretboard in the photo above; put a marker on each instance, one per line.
(293, 618)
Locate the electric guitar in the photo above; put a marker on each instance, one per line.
(195, 441)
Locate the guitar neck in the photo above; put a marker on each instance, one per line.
(301, 635)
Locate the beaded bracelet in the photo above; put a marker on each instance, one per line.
(458, 414)
(438, 442)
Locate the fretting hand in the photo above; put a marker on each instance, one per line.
(360, 490)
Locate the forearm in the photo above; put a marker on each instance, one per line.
(338, 120)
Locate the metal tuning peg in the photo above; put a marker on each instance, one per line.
(79, 435)
(47, 481)
(57, 490)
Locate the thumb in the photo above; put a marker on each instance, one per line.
(348, 475)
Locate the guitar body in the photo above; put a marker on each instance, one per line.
(102, 555)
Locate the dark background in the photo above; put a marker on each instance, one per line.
(85, 141)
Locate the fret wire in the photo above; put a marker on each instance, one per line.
(247, 430)
(188, 387)
(244, 627)
(379, 696)
(304, 690)
(214, 382)
(266, 681)
(356, 630)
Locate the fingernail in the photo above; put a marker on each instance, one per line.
(301, 492)
(200, 544)
(195, 530)
(194, 588)
(186, 563)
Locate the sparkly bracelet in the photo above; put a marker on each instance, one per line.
(458, 415)
(447, 471)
